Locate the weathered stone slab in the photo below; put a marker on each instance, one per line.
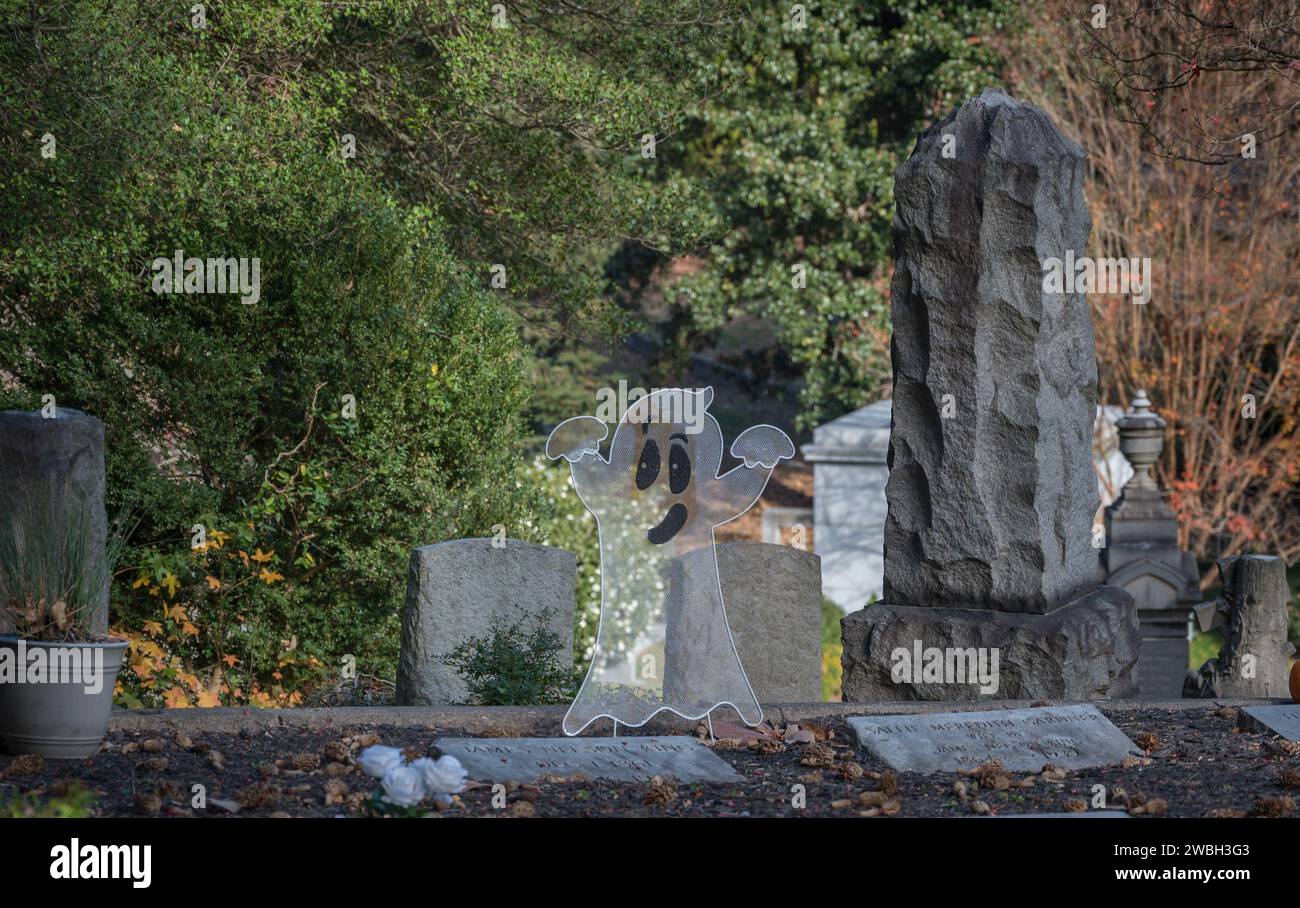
(1065, 815)
(1069, 737)
(459, 589)
(1255, 658)
(773, 596)
(628, 759)
(1282, 719)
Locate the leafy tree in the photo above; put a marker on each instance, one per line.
(1225, 253)
(378, 160)
(130, 131)
(523, 129)
(1143, 58)
(798, 161)
(278, 521)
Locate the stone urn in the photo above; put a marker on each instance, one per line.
(1141, 439)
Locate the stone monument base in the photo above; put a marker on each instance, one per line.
(1086, 650)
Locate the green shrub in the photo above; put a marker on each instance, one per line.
(1205, 645)
(225, 422)
(335, 504)
(567, 524)
(516, 664)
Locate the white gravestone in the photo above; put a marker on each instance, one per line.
(849, 476)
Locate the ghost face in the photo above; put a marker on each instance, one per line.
(664, 464)
(666, 461)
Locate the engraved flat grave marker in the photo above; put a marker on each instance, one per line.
(1070, 737)
(1065, 815)
(1282, 719)
(631, 759)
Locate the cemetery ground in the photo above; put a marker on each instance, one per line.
(1196, 762)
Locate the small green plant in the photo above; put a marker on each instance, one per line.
(832, 650)
(70, 800)
(1204, 646)
(515, 664)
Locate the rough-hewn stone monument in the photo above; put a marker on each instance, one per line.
(991, 493)
(1251, 611)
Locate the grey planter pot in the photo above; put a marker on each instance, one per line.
(63, 712)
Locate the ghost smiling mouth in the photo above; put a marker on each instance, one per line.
(673, 521)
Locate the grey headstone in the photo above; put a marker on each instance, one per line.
(55, 457)
(1282, 719)
(1069, 737)
(772, 597)
(628, 759)
(773, 600)
(1255, 659)
(457, 590)
(993, 507)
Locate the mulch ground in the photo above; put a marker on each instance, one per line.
(1198, 764)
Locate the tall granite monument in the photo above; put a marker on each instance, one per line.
(991, 492)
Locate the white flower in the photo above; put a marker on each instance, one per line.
(375, 761)
(403, 786)
(444, 775)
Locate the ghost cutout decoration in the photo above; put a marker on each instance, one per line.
(663, 642)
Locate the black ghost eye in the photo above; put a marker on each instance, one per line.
(647, 468)
(679, 469)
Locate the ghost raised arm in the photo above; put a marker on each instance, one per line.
(760, 448)
(577, 440)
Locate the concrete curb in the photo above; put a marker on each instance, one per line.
(525, 721)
